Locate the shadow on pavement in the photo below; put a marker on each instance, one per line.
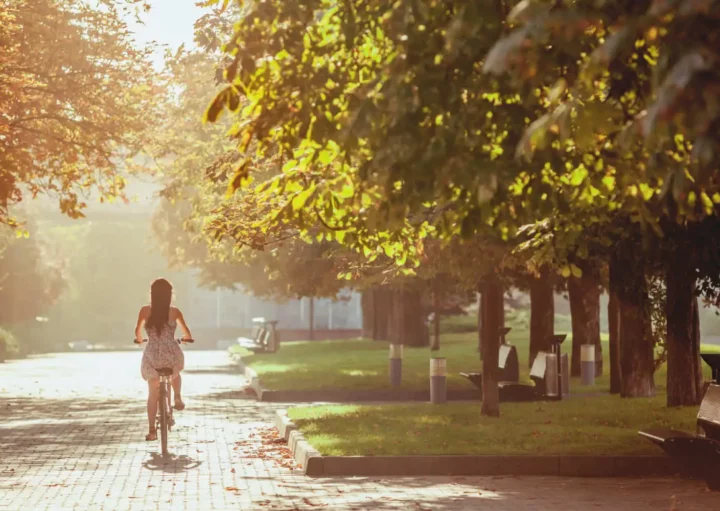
(231, 394)
(171, 464)
(214, 370)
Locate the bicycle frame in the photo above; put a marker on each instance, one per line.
(164, 416)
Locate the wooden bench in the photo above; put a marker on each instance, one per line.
(513, 390)
(264, 337)
(697, 454)
(508, 363)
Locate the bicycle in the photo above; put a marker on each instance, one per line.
(164, 418)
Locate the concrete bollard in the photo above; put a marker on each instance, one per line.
(552, 372)
(438, 381)
(587, 364)
(396, 356)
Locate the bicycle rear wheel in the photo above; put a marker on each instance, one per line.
(162, 403)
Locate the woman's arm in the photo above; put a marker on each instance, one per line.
(183, 325)
(142, 316)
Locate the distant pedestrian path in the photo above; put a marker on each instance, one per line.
(72, 430)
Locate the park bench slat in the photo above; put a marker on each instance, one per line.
(660, 435)
(697, 454)
(262, 335)
(708, 417)
(514, 390)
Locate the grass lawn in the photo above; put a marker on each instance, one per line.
(360, 364)
(599, 425)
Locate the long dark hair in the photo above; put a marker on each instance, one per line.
(160, 298)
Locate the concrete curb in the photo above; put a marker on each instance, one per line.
(251, 377)
(567, 466)
(284, 424)
(307, 458)
(313, 463)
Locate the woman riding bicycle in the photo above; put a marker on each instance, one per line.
(160, 321)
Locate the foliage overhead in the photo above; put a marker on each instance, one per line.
(386, 130)
(194, 161)
(637, 82)
(75, 96)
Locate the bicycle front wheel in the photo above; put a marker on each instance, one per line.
(162, 403)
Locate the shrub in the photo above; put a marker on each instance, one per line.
(458, 324)
(8, 346)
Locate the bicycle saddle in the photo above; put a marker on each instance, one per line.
(164, 371)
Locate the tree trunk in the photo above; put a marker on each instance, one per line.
(614, 334)
(696, 347)
(542, 314)
(479, 319)
(435, 344)
(407, 325)
(492, 312)
(683, 358)
(636, 342)
(584, 294)
(379, 301)
(368, 313)
(312, 318)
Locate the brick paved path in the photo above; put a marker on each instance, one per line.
(72, 432)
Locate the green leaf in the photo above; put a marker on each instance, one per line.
(213, 112)
(578, 175)
(301, 198)
(240, 178)
(576, 272)
(609, 182)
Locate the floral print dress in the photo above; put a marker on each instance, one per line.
(162, 350)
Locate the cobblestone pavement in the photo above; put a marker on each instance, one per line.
(72, 432)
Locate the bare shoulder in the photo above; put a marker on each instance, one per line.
(144, 311)
(175, 313)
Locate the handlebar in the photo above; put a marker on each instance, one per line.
(179, 341)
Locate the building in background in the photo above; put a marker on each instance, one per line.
(223, 309)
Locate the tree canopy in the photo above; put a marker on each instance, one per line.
(75, 96)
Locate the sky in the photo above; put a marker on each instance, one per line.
(169, 22)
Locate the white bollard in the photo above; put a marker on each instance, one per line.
(587, 364)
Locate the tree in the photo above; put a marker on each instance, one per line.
(493, 320)
(683, 335)
(650, 63)
(32, 278)
(76, 96)
(192, 159)
(542, 313)
(362, 138)
(632, 83)
(376, 306)
(614, 337)
(388, 133)
(584, 295)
